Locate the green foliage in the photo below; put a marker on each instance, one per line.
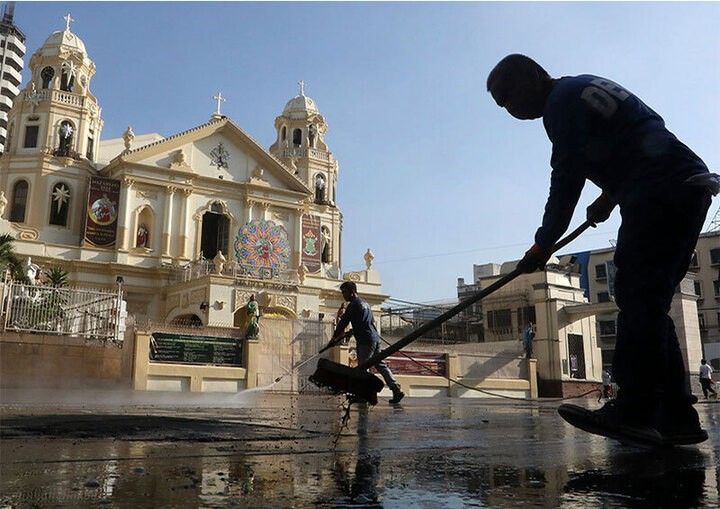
(57, 277)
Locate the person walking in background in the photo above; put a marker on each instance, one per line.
(602, 132)
(706, 380)
(528, 338)
(607, 384)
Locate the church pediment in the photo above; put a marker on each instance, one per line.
(217, 150)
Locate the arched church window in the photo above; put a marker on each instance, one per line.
(59, 204)
(65, 135)
(297, 137)
(67, 79)
(319, 188)
(46, 75)
(19, 201)
(283, 133)
(326, 243)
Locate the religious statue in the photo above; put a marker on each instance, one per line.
(128, 136)
(3, 203)
(293, 165)
(143, 236)
(219, 262)
(319, 189)
(253, 313)
(369, 257)
(325, 256)
(31, 271)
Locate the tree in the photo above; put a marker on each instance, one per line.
(57, 277)
(8, 257)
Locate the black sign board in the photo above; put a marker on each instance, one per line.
(184, 349)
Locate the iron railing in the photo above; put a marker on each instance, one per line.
(90, 314)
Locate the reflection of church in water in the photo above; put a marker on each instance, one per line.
(194, 223)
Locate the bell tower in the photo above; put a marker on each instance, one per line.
(56, 115)
(301, 146)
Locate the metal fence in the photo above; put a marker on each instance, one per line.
(90, 314)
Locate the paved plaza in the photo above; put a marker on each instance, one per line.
(137, 450)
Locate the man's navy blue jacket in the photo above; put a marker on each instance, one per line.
(359, 314)
(603, 133)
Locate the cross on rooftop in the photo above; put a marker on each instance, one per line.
(302, 87)
(219, 98)
(68, 19)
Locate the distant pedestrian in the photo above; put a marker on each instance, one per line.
(706, 379)
(528, 338)
(607, 384)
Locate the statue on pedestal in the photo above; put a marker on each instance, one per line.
(253, 314)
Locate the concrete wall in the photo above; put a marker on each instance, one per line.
(39, 360)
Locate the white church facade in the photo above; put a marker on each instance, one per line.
(190, 224)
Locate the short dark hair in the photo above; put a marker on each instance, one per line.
(514, 67)
(349, 285)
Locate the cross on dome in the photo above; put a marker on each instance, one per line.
(302, 87)
(68, 19)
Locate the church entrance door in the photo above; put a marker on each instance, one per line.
(215, 232)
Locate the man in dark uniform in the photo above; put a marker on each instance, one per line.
(367, 339)
(603, 133)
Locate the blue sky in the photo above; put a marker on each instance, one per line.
(434, 176)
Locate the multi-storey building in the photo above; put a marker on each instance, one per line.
(598, 276)
(12, 48)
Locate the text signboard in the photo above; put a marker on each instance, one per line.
(102, 211)
(185, 349)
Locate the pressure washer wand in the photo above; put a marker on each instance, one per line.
(372, 361)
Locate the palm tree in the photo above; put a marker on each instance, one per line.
(57, 277)
(8, 257)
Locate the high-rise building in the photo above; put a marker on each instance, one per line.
(12, 46)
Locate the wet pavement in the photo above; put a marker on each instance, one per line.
(137, 450)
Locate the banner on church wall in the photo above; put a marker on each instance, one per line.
(102, 211)
(311, 243)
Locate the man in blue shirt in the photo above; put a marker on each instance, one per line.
(367, 339)
(603, 133)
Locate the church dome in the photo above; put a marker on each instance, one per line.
(62, 38)
(300, 105)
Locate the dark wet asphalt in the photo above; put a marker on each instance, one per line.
(105, 450)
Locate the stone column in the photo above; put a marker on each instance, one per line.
(167, 229)
(183, 223)
(124, 228)
(251, 362)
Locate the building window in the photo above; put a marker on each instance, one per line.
(603, 297)
(67, 79)
(715, 256)
(526, 315)
(701, 321)
(716, 287)
(31, 136)
(698, 288)
(283, 133)
(600, 271)
(297, 137)
(607, 327)
(89, 153)
(19, 201)
(59, 204)
(47, 75)
(65, 135)
(500, 319)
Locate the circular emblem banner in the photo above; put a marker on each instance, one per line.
(263, 244)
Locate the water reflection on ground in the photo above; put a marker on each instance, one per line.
(278, 452)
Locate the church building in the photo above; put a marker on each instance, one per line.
(191, 225)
